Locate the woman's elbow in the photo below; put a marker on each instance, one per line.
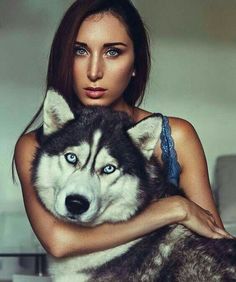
(56, 251)
(61, 246)
(55, 245)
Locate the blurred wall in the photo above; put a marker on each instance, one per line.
(193, 46)
(194, 68)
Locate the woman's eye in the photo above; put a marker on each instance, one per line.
(113, 52)
(80, 51)
(71, 158)
(108, 169)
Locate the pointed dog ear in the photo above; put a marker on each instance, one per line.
(56, 112)
(146, 133)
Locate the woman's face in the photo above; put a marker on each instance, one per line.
(103, 62)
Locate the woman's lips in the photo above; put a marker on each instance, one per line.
(95, 93)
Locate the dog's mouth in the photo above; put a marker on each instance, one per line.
(92, 221)
(87, 217)
(71, 218)
(95, 212)
(91, 217)
(98, 213)
(76, 219)
(77, 208)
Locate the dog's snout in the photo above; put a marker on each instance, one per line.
(76, 204)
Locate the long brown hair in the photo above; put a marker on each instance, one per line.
(59, 74)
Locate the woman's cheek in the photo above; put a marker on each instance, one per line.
(123, 74)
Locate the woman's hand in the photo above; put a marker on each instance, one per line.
(201, 221)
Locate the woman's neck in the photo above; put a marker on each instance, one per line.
(122, 106)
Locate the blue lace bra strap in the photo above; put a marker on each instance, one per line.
(169, 156)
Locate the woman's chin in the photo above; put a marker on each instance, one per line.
(95, 102)
(118, 104)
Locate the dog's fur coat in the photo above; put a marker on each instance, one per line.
(96, 166)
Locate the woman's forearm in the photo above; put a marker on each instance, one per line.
(72, 239)
(175, 209)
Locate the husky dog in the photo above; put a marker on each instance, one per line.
(96, 166)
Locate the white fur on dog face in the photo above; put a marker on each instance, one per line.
(119, 192)
(82, 181)
(112, 197)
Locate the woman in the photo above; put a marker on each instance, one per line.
(100, 56)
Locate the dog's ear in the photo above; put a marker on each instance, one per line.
(56, 112)
(146, 133)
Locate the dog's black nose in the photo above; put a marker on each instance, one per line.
(77, 204)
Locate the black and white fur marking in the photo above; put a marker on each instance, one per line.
(96, 166)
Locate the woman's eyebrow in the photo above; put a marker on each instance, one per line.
(104, 45)
(114, 43)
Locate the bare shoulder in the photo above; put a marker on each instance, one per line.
(182, 130)
(24, 151)
(26, 142)
(187, 142)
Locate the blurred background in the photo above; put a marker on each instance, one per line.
(193, 45)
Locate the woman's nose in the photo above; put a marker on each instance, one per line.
(95, 68)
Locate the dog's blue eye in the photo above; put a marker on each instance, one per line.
(71, 158)
(108, 169)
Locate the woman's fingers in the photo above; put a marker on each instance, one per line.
(219, 232)
(224, 233)
(211, 217)
(203, 222)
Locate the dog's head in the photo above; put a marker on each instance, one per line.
(91, 168)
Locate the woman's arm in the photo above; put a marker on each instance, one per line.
(194, 178)
(62, 239)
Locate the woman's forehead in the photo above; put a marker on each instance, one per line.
(103, 26)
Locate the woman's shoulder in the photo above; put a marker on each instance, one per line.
(26, 145)
(28, 139)
(186, 140)
(24, 153)
(181, 129)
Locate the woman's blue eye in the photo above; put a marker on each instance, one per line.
(80, 51)
(109, 169)
(113, 52)
(71, 158)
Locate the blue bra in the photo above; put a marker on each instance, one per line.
(169, 156)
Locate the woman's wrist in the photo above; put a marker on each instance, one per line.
(177, 209)
(165, 211)
(181, 207)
